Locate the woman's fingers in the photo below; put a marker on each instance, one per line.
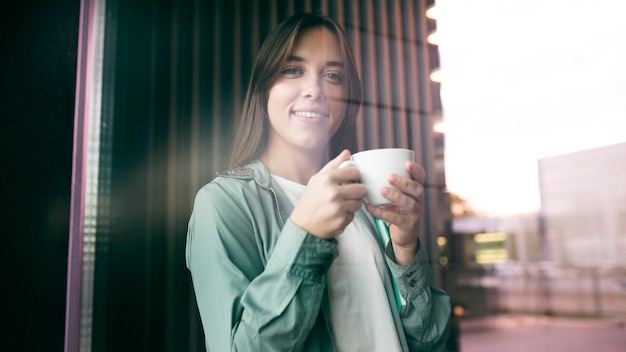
(412, 187)
(416, 171)
(330, 200)
(334, 163)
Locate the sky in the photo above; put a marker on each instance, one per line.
(525, 80)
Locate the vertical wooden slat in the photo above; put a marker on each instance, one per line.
(154, 164)
(274, 13)
(424, 92)
(205, 85)
(401, 123)
(430, 196)
(171, 181)
(215, 96)
(413, 87)
(324, 7)
(340, 13)
(195, 173)
(355, 35)
(384, 71)
(194, 144)
(255, 29)
(370, 80)
(237, 43)
(172, 116)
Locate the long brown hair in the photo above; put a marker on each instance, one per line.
(252, 132)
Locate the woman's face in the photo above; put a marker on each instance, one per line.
(307, 102)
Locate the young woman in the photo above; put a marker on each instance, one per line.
(282, 252)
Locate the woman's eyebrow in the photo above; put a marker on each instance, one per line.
(297, 58)
(334, 63)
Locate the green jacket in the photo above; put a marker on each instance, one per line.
(260, 280)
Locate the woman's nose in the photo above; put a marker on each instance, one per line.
(313, 89)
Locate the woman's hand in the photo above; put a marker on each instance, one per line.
(330, 200)
(404, 215)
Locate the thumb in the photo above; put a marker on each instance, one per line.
(333, 164)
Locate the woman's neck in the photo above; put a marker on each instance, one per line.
(294, 165)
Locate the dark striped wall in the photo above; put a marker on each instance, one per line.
(175, 73)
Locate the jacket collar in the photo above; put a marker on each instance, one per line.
(253, 170)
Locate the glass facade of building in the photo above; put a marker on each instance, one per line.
(583, 199)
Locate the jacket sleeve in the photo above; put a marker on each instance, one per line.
(427, 310)
(248, 302)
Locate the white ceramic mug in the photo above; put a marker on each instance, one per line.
(376, 165)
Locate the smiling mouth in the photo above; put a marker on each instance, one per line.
(310, 114)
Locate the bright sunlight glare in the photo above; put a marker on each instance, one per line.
(522, 81)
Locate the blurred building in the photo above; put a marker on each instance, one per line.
(568, 260)
(583, 207)
(483, 249)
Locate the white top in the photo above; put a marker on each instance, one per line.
(360, 312)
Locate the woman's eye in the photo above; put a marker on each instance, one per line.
(335, 77)
(291, 71)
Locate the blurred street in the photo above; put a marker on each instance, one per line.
(513, 333)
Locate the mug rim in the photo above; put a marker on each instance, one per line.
(382, 150)
(374, 149)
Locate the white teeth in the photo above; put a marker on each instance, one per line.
(309, 114)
